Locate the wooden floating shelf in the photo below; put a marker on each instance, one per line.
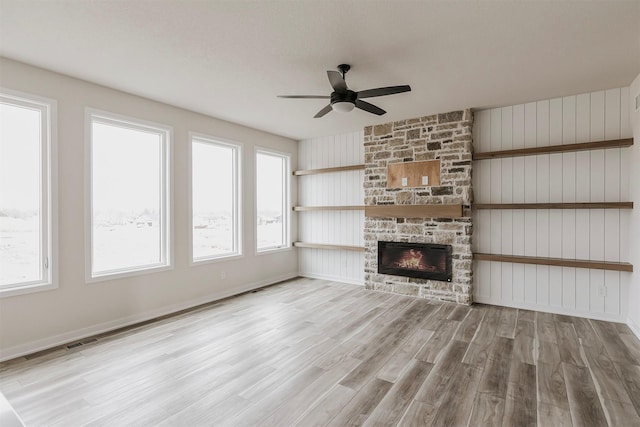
(594, 205)
(323, 246)
(414, 211)
(326, 170)
(327, 208)
(558, 262)
(532, 151)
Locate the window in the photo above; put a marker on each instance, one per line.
(215, 175)
(129, 212)
(272, 200)
(27, 258)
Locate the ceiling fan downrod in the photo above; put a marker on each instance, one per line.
(344, 68)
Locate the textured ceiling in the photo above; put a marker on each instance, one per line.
(229, 59)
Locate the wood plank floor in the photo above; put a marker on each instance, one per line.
(314, 353)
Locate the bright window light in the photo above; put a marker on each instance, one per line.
(26, 226)
(129, 196)
(215, 199)
(272, 200)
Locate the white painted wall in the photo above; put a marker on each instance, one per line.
(588, 176)
(331, 189)
(76, 309)
(633, 319)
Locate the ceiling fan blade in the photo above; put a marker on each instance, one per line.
(363, 105)
(322, 112)
(337, 82)
(382, 91)
(304, 96)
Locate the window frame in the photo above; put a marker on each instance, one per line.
(237, 198)
(286, 216)
(48, 191)
(166, 182)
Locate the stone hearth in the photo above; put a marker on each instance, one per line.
(445, 137)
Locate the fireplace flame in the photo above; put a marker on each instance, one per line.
(412, 259)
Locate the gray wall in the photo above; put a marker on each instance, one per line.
(39, 320)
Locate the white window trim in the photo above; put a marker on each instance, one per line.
(49, 196)
(287, 208)
(167, 214)
(237, 194)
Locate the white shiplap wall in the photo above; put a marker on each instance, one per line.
(331, 189)
(587, 176)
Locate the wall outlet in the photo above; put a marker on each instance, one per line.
(602, 291)
(405, 182)
(223, 275)
(425, 180)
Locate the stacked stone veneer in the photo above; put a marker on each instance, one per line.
(445, 137)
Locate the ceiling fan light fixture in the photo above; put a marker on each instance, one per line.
(343, 106)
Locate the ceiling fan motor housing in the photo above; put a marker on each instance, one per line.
(348, 96)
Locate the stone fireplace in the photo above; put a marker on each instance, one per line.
(444, 137)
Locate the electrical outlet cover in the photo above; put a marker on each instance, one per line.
(404, 182)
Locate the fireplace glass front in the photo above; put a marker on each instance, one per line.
(419, 260)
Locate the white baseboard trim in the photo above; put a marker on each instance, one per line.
(79, 334)
(331, 278)
(548, 309)
(635, 328)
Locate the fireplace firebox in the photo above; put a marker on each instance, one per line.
(419, 260)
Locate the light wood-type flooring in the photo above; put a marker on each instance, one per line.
(310, 352)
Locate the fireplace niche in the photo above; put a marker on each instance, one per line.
(418, 260)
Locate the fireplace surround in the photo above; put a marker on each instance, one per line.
(445, 137)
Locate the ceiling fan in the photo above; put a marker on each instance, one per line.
(343, 99)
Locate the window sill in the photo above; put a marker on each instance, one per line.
(128, 273)
(272, 250)
(26, 289)
(202, 261)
